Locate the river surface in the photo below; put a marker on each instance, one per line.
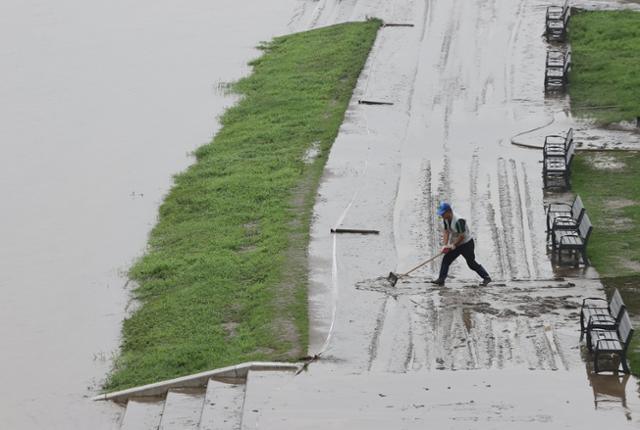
(102, 103)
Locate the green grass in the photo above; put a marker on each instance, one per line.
(224, 279)
(605, 76)
(612, 199)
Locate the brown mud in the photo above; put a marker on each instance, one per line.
(464, 81)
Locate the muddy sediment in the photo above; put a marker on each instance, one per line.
(464, 80)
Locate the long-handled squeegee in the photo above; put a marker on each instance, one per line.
(393, 277)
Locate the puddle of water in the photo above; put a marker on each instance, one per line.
(102, 102)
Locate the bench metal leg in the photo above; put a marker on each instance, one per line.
(623, 361)
(596, 357)
(589, 346)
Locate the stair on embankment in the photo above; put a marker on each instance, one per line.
(210, 400)
(216, 407)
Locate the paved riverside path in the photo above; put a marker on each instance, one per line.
(464, 79)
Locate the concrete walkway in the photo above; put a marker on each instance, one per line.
(463, 80)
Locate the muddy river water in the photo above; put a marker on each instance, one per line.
(101, 103)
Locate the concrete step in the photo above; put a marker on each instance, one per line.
(222, 408)
(142, 414)
(182, 409)
(258, 392)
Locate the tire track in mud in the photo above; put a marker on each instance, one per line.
(317, 13)
(427, 16)
(445, 192)
(298, 13)
(513, 242)
(419, 315)
(486, 341)
(392, 348)
(445, 47)
(400, 349)
(375, 338)
(531, 231)
(473, 187)
(499, 246)
(466, 328)
(507, 351)
(409, 354)
(509, 66)
(344, 11)
(521, 225)
(428, 213)
(461, 357)
(558, 348)
(422, 226)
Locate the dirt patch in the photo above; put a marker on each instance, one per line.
(630, 264)
(230, 328)
(614, 222)
(606, 162)
(536, 306)
(247, 249)
(264, 351)
(620, 203)
(312, 153)
(619, 224)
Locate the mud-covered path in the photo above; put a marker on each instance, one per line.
(463, 80)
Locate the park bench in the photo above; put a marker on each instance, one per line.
(574, 241)
(556, 145)
(556, 75)
(566, 221)
(612, 342)
(597, 313)
(558, 209)
(556, 170)
(556, 22)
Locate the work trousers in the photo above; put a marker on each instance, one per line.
(468, 252)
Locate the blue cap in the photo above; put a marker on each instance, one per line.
(444, 207)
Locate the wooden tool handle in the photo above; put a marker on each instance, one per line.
(422, 264)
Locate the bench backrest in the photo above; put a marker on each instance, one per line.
(625, 329)
(616, 305)
(577, 209)
(569, 155)
(568, 140)
(567, 66)
(585, 227)
(566, 12)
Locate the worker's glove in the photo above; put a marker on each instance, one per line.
(448, 248)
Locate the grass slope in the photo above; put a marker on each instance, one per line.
(605, 76)
(612, 198)
(224, 278)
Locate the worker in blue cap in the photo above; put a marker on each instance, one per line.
(458, 240)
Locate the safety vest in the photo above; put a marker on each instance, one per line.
(457, 226)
